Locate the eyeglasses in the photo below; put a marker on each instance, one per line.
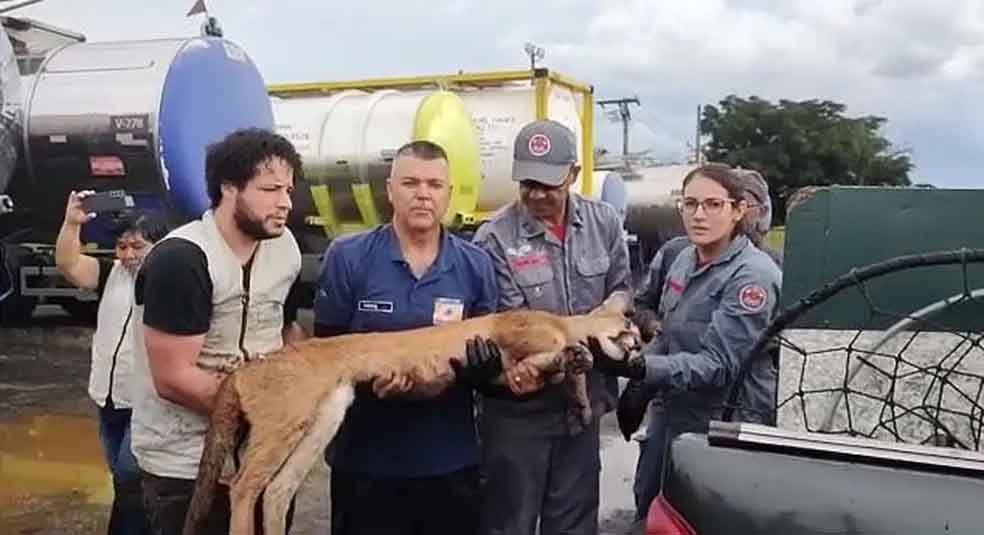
(711, 205)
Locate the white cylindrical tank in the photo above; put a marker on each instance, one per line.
(499, 114)
(652, 193)
(350, 137)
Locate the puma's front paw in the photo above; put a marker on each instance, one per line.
(577, 359)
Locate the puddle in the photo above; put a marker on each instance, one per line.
(51, 470)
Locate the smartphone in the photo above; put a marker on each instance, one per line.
(107, 201)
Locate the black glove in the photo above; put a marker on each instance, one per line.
(632, 407)
(632, 367)
(483, 363)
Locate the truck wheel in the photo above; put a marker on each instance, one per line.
(16, 309)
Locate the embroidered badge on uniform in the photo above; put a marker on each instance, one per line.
(753, 297)
(447, 310)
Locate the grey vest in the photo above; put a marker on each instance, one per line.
(168, 438)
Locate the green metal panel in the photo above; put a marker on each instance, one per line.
(842, 228)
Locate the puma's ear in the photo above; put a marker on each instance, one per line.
(620, 302)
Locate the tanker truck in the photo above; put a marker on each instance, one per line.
(133, 116)
(348, 133)
(137, 116)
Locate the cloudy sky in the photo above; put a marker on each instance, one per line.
(919, 63)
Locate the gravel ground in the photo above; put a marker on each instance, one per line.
(936, 369)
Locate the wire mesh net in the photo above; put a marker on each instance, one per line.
(921, 380)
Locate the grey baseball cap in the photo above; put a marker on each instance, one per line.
(544, 151)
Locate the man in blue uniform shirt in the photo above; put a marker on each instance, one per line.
(402, 464)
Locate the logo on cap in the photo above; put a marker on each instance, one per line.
(539, 145)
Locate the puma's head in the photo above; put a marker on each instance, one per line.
(610, 323)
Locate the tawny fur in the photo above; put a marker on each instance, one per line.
(294, 401)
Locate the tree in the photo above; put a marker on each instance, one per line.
(797, 144)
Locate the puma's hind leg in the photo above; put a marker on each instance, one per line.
(276, 499)
(577, 361)
(265, 453)
(576, 386)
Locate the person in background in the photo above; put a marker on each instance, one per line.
(719, 295)
(758, 218)
(112, 343)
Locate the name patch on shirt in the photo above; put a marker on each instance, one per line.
(447, 310)
(376, 306)
(525, 256)
(529, 261)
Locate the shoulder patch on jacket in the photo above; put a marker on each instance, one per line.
(753, 297)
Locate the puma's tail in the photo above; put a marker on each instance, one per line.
(219, 444)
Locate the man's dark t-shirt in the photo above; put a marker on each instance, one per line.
(175, 288)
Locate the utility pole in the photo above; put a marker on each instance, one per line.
(697, 147)
(623, 112)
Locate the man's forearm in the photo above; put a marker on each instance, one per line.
(190, 387)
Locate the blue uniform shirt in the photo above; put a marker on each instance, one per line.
(367, 286)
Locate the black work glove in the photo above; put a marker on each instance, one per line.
(483, 363)
(632, 367)
(632, 406)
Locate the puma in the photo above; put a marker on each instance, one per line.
(295, 401)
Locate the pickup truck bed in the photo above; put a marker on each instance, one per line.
(749, 479)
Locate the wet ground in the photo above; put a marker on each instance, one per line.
(52, 474)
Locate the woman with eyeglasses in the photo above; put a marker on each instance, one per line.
(720, 294)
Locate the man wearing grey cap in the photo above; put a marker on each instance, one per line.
(554, 251)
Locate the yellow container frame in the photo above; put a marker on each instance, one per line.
(542, 79)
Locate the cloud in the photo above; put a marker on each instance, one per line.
(864, 7)
(918, 63)
(906, 60)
